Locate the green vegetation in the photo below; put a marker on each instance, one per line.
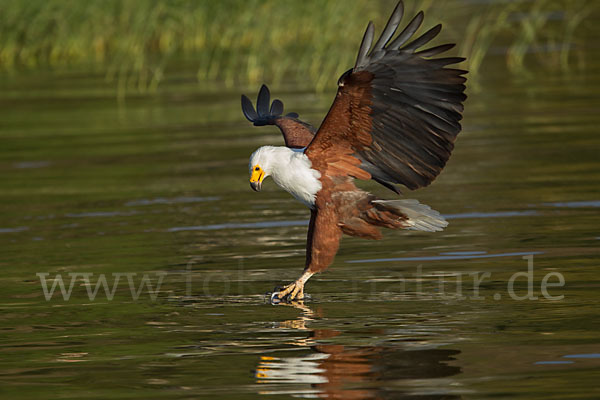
(136, 42)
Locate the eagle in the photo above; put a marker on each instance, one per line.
(394, 119)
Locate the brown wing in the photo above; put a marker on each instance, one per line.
(396, 113)
(296, 133)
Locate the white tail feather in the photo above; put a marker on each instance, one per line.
(421, 217)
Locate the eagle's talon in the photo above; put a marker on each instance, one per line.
(290, 293)
(274, 299)
(293, 291)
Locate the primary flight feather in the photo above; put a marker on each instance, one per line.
(394, 119)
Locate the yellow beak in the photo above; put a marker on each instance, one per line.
(256, 178)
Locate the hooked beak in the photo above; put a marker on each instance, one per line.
(256, 186)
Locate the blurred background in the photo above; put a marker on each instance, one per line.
(123, 150)
(137, 44)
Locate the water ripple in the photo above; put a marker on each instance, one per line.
(247, 225)
(175, 200)
(447, 257)
(13, 230)
(575, 204)
(102, 214)
(497, 214)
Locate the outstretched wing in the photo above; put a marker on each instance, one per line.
(296, 133)
(396, 113)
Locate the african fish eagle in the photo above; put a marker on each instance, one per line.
(394, 119)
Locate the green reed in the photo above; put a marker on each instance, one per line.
(311, 42)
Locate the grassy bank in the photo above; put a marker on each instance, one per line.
(135, 42)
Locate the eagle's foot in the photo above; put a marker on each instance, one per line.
(292, 292)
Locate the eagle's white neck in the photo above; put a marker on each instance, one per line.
(291, 170)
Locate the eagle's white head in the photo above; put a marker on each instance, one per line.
(290, 168)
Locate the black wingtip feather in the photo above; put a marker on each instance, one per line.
(365, 45)
(265, 113)
(390, 27)
(435, 50)
(262, 101)
(248, 109)
(276, 108)
(424, 38)
(407, 33)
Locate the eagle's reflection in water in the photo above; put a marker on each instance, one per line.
(337, 371)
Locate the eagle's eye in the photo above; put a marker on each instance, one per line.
(257, 169)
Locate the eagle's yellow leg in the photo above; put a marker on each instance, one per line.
(295, 290)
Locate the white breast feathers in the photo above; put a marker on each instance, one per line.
(291, 170)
